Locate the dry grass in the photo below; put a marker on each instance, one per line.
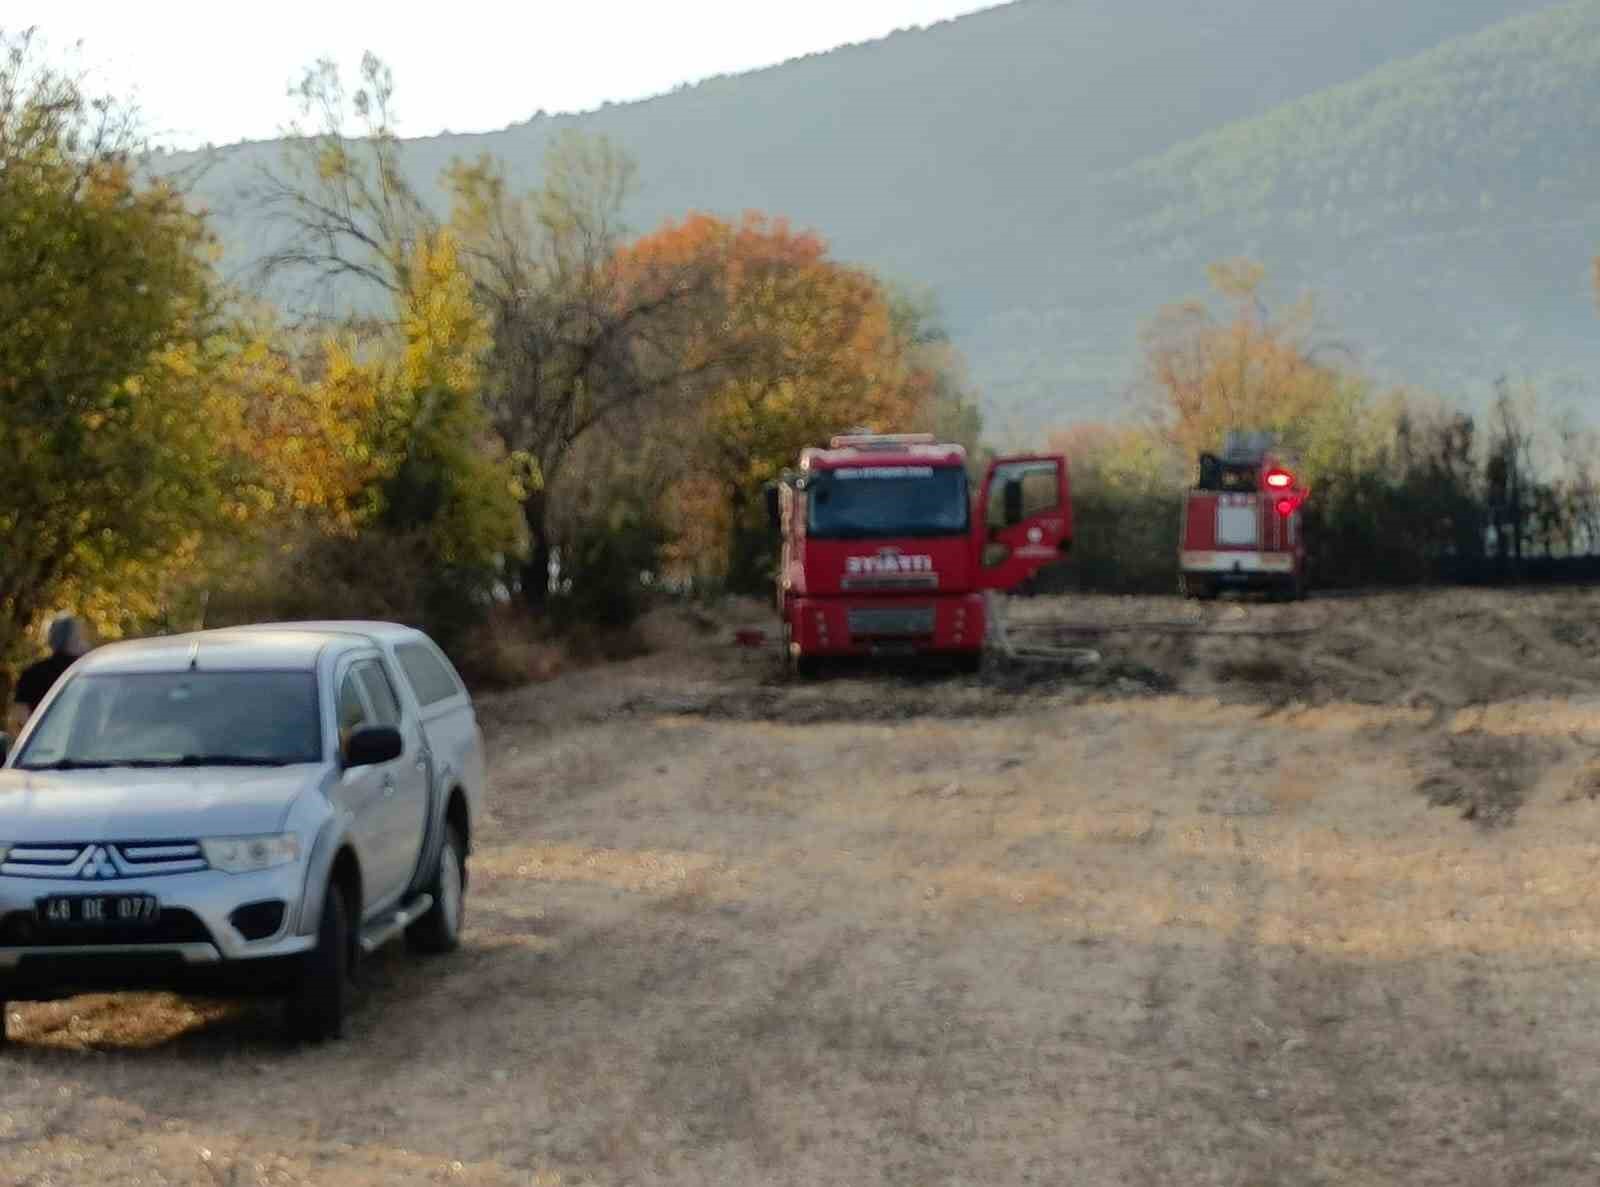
(1214, 937)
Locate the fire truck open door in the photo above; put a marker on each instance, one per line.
(1025, 516)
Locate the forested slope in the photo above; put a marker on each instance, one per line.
(1057, 169)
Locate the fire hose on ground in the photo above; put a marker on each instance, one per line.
(1077, 659)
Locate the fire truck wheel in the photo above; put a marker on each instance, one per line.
(969, 663)
(808, 667)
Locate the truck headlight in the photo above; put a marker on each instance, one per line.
(243, 855)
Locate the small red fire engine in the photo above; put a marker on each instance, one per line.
(885, 551)
(1242, 526)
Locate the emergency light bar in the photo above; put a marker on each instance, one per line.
(886, 441)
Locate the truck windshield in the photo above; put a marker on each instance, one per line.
(171, 719)
(877, 501)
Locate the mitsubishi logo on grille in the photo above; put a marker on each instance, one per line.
(98, 866)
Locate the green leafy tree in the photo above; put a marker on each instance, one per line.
(108, 301)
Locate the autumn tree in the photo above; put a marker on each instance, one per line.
(109, 306)
(1248, 371)
(572, 341)
(370, 440)
(792, 347)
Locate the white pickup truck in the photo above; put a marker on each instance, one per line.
(238, 811)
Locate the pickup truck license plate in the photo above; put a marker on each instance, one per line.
(98, 910)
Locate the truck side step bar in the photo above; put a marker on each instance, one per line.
(380, 933)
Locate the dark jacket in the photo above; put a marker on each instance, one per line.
(38, 679)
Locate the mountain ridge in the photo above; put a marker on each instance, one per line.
(977, 156)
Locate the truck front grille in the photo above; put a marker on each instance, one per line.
(886, 622)
(99, 861)
(891, 581)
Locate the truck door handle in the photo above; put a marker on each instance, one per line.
(388, 787)
(422, 762)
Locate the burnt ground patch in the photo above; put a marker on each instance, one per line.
(1485, 777)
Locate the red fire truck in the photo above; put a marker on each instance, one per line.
(885, 551)
(1242, 524)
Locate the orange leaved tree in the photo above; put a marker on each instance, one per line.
(792, 346)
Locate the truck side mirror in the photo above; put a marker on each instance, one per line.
(774, 513)
(1013, 502)
(372, 746)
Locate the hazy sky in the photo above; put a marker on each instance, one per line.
(218, 72)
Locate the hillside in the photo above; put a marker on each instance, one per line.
(986, 156)
(1461, 184)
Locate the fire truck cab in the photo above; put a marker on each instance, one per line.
(886, 551)
(1242, 527)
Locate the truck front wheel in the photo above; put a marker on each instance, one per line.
(317, 1008)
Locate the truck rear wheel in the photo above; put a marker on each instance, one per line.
(808, 667)
(439, 930)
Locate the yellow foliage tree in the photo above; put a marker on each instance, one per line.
(448, 476)
(1248, 372)
(377, 435)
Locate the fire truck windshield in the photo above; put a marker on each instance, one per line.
(870, 502)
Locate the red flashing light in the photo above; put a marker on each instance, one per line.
(1279, 479)
(1286, 507)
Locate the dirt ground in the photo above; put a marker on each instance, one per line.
(1266, 895)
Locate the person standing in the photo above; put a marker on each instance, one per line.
(67, 640)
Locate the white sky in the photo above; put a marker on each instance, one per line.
(219, 71)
